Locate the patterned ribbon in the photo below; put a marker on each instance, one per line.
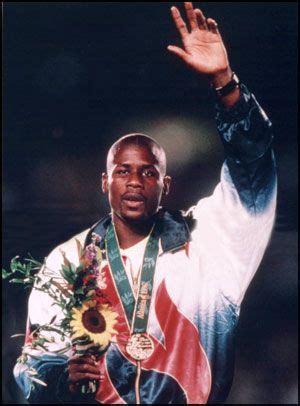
(137, 311)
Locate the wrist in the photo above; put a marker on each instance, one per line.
(229, 90)
(220, 79)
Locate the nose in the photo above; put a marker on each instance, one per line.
(135, 180)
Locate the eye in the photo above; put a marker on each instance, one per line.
(122, 171)
(149, 172)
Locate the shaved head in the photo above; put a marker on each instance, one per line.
(136, 179)
(139, 140)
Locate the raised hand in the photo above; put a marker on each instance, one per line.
(203, 47)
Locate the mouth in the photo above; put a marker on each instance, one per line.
(133, 197)
(133, 200)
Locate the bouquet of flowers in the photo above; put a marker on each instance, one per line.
(88, 317)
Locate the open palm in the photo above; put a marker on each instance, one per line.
(203, 47)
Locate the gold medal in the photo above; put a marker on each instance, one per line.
(140, 346)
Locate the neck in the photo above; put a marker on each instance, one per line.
(131, 232)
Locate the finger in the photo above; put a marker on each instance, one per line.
(82, 360)
(191, 15)
(201, 20)
(73, 369)
(180, 24)
(212, 26)
(179, 52)
(75, 386)
(79, 377)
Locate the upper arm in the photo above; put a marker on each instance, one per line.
(50, 365)
(230, 238)
(233, 226)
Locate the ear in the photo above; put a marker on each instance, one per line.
(167, 183)
(104, 182)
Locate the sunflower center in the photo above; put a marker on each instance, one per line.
(93, 321)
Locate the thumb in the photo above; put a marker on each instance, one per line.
(179, 52)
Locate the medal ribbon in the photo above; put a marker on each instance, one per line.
(137, 312)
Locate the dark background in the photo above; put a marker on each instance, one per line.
(76, 77)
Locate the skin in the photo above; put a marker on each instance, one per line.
(202, 50)
(81, 370)
(135, 183)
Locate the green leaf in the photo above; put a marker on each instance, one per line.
(5, 274)
(46, 285)
(15, 260)
(79, 269)
(62, 350)
(67, 274)
(53, 319)
(38, 381)
(98, 255)
(32, 372)
(79, 248)
(79, 291)
(33, 261)
(56, 330)
(16, 266)
(17, 280)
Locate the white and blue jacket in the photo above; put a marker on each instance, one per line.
(207, 259)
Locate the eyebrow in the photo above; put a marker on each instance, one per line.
(143, 166)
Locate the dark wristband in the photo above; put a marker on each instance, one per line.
(229, 87)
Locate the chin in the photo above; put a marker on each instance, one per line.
(135, 216)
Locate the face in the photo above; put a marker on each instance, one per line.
(135, 183)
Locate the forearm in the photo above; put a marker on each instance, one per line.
(246, 133)
(53, 372)
(221, 79)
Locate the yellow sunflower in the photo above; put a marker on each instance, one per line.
(95, 321)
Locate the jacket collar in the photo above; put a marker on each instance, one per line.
(174, 231)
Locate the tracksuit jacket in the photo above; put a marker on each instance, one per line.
(207, 258)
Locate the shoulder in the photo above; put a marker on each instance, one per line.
(69, 249)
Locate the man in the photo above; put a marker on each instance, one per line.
(199, 264)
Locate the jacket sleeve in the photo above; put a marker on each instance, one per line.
(47, 365)
(233, 226)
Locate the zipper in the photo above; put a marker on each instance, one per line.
(137, 383)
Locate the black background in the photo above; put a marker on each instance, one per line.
(76, 77)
